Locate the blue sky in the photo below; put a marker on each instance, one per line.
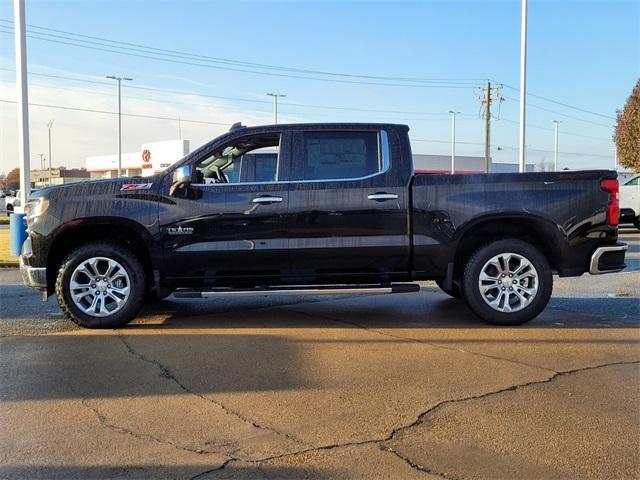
(582, 53)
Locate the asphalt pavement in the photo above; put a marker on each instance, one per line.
(397, 386)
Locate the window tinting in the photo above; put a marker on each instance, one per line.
(236, 162)
(633, 181)
(340, 155)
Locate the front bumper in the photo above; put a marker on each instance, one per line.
(608, 259)
(34, 277)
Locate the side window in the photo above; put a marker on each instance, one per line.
(340, 155)
(633, 181)
(237, 161)
(260, 166)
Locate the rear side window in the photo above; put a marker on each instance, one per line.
(633, 181)
(340, 155)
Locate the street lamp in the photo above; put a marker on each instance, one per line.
(119, 80)
(49, 125)
(275, 105)
(453, 140)
(555, 145)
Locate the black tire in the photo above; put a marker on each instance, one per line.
(131, 265)
(453, 292)
(475, 299)
(636, 223)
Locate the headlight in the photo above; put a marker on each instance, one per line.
(36, 207)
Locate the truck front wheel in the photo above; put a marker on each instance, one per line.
(100, 285)
(507, 282)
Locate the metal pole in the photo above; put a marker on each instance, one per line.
(453, 141)
(119, 80)
(275, 105)
(23, 100)
(555, 146)
(49, 125)
(523, 84)
(487, 129)
(119, 130)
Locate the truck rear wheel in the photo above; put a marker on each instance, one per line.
(507, 282)
(100, 285)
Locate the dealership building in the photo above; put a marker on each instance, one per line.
(156, 156)
(151, 158)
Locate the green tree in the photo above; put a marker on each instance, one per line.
(627, 134)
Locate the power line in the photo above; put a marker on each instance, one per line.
(584, 110)
(563, 114)
(152, 56)
(186, 93)
(442, 82)
(563, 132)
(172, 119)
(244, 63)
(138, 115)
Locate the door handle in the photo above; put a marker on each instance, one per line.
(381, 197)
(267, 200)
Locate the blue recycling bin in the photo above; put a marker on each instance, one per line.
(17, 233)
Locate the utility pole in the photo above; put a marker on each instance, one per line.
(275, 105)
(23, 100)
(523, 84)
(555, 145)
(487, 128)
(49, 125)
(41, 162)
(488, 95)
(119, 80)
(453, 141)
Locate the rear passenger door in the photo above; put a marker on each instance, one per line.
(348, 208)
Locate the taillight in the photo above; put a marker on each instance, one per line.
(610, 185)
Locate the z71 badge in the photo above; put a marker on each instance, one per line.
(179, 230)
(135, 186)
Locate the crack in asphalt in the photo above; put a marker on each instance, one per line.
(516, 387)
(417, 340)
(166, 373)
(420, 419)
(104, 421)
(211, 470)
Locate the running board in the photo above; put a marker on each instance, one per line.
(316, 290)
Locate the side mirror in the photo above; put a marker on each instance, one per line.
(180, 181)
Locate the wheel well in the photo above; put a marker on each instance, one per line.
(81, 235)
(536, 232)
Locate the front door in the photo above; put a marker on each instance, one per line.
(222, 227)
(348, 207)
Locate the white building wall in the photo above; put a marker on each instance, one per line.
(160, 156)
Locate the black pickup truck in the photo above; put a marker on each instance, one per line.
(317, 209)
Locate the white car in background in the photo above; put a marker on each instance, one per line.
(630, 202)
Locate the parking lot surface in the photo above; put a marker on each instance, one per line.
(399, 386)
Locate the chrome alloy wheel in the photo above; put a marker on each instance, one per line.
(508, 282)
(99, 286)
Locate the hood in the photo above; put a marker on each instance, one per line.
(110, 186)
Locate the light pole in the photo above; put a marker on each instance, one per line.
(49, 125)
(119, 80)
(523, 83)
(453, 140)
(555, 145)
(23, 100)
(275, 105)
